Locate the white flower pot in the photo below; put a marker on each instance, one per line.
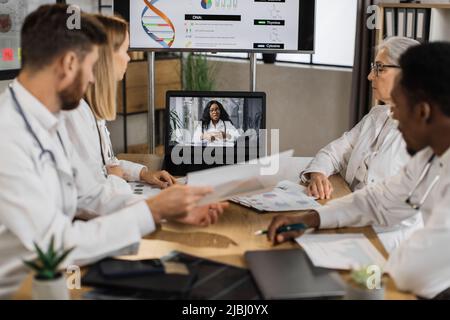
(358, 293)
(55, 289)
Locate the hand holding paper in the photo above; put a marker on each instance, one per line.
(242, 179)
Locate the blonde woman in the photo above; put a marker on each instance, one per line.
(90, 137)
(87, 125)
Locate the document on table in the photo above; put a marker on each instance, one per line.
(249, 178)
(144, 189)
(341, 251)
(286, 196)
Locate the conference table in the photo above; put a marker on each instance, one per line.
(230, 238)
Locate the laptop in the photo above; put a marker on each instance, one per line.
(194, 142)
(289, 274)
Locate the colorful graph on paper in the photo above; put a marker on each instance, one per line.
(157, 24)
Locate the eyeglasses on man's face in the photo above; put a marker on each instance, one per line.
(379, 67)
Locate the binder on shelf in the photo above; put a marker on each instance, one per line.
(389, 22)
(401, 22)
(411, 23)
(422, 25)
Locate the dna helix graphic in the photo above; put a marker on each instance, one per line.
(157, 25)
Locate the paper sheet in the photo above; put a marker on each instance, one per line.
(144, 189)
(242, 179)
(286, 196)
(341, 251)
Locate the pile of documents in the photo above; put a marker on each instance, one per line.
(286, 196)
(341, 251)
(244, 179)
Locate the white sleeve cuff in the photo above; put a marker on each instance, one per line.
(341, 213)
(328, 217)
(144, 218)
(132, 170)
(303, 174)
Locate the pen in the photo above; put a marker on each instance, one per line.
(291, 227)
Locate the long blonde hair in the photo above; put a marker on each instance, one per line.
(102, 95)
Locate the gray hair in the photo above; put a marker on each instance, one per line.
(396, 47)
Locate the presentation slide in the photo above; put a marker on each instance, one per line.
(252, 25)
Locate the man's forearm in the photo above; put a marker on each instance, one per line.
(312, 219)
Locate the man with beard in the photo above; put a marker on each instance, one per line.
(422, 107)
(38, 196)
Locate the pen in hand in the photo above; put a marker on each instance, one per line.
(291, 227)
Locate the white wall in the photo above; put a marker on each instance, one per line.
(310, 106)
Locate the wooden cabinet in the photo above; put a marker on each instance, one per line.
(136, 87)
(167, 77)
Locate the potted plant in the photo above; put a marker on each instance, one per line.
(199, 73)
(49, 282)
(361, 286)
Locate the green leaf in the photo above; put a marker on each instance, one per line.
(199, 73)
(62, 257)
(33, 265)
(47, 274)
(42, 257)
(51, 248)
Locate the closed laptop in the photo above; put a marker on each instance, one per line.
(289, 274)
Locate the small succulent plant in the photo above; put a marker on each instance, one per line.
(363, 277)
(359, 277)
(47, 263)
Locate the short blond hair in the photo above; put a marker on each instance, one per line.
(102, 95)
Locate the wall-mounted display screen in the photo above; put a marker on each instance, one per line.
(223, 25)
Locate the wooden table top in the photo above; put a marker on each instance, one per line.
(228, 240)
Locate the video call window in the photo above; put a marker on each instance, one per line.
(214, 121)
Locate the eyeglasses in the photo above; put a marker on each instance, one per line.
(378, 67)
(417, 206)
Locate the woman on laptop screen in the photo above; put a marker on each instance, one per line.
(216, 127)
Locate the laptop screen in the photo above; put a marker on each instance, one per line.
(219, 119)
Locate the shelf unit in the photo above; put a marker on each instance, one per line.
(133, 94)
(439, 22)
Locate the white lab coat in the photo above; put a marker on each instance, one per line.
(88, 136)
(38, 200)
(370, 152)
(421, 264)
(221, 126)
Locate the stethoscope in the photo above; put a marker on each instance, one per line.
(44, 151)
(424, 173)
(111, 157)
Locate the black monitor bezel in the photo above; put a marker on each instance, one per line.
(208, 94)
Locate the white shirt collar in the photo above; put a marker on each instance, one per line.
(445, 157)
(220, 123)
(32, 106)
